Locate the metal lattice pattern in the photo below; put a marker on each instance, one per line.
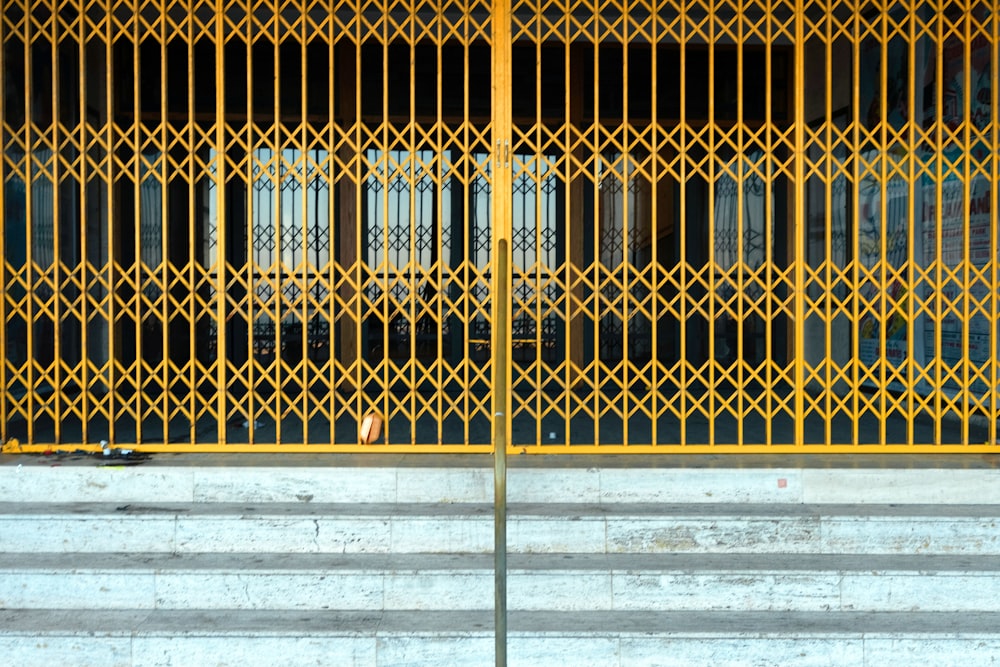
(733, 226)
(204, 239)
(777, 273)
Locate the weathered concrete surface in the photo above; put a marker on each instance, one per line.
(557, 582)
(339, 561)
(468, 479)
(468, 528)
(621, 639)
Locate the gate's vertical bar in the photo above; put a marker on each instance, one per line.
(467, 176)
(711, 257)
(166, 261)
(384, 163)
(29, 205)
(740, 301)
(912, 213)
(536, 173)
(595, 265)
(438, 295)
(277, 203)
(55, 268)
(414, 175)
(855, 150)
(193, 313)
(248, 245)
(938, 361)
(994, 225)
(302, 175)
(4, 374)
(333, 98)
(110, 259)
(965, 393)
(571, 233)
(799, 224)
(653, 394)
(156, 400)
(884, 170)
(137, 288)
(222, 242)
(501, 303)
(830, 303)
(768, 176)
(350, 244)
(681, 225)
(626, 211)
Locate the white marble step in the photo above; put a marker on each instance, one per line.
(449, 582)
(175, 527)
(469, 479)
(139, 638)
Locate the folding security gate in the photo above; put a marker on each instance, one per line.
(731, 226)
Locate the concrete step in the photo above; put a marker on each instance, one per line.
(536, 582)
(469, 479)
(173, 562)
(175, 527)
(139, 638)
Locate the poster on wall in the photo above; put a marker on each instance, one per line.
(883, 206)
(894, 92)
(920, 201)
(949, 299)
(963, 215)
(960, 92)
(883, 245)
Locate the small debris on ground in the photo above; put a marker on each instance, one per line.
(108, 456)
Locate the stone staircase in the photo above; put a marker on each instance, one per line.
(190, 561)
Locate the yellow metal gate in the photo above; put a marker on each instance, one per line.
(730, 226)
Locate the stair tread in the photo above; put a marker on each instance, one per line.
(228, 622)
(517, 562)
(484, 510)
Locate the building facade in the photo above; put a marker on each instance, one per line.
(728, 226)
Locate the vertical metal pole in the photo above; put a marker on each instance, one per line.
(501, 298)
(501, 195)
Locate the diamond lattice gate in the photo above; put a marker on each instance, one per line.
(732, 226)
